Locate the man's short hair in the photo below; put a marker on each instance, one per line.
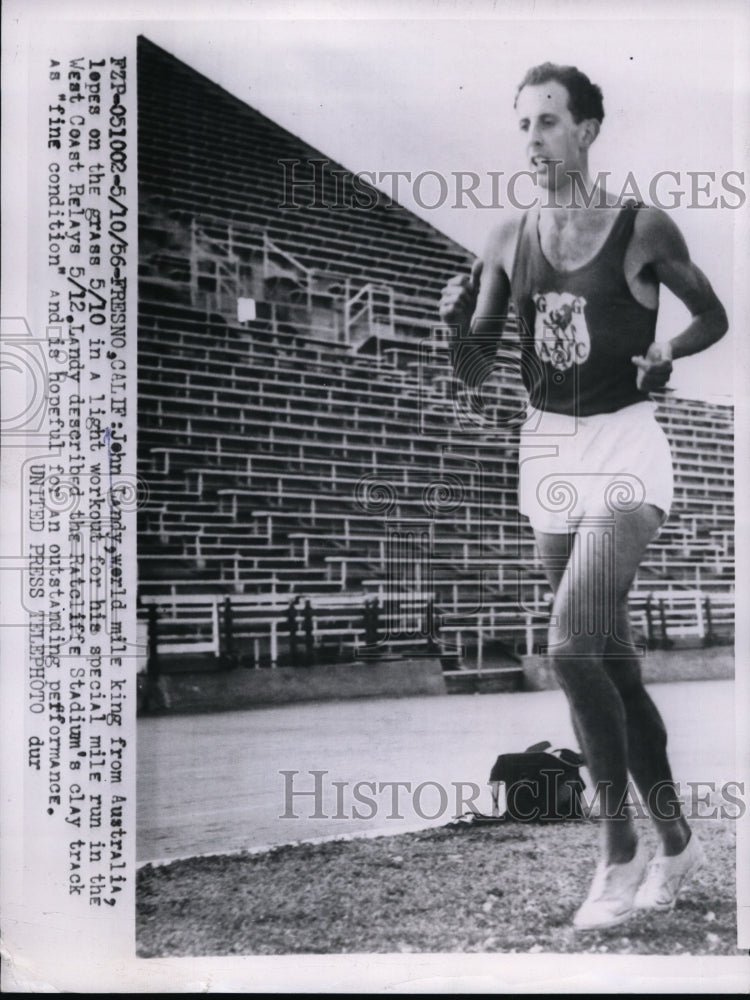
(584, 97)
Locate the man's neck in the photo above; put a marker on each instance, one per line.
(574, 201)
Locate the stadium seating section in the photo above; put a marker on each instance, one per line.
(316, 450)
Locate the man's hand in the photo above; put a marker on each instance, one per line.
(459, 297)
(655, 369)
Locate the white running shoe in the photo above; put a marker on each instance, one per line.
(610, 898)
(667, 875)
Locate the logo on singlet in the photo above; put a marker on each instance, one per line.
(561, 336)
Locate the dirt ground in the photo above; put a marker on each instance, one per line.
(456, 888)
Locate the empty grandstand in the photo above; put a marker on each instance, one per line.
(318, 488)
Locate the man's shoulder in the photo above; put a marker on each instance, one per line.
(655, 229)
(501, 241)
(506, 231)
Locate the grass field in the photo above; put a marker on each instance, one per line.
(457, 888)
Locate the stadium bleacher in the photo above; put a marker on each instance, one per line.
(319, 451)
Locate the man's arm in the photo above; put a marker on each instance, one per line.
(478, 306)
(669, 261)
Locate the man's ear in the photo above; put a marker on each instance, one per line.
(589, 131)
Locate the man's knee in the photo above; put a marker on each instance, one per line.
(575, 663)
(626, 677)
(579, 632)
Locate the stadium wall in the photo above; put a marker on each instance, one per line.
(222, 691)
(219, 692)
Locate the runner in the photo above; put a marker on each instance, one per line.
(583, 269)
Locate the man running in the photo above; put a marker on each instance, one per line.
(583, 270)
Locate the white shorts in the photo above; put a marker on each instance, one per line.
(572, 468)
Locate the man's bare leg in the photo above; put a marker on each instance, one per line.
(646, 737)
(603, 560)
(646, 733)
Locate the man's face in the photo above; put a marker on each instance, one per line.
(550, 132)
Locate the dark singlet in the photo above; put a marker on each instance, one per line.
(580, 328)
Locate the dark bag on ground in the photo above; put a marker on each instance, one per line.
(541, 786)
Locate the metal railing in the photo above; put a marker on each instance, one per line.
(371, 307)
(373, 623)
